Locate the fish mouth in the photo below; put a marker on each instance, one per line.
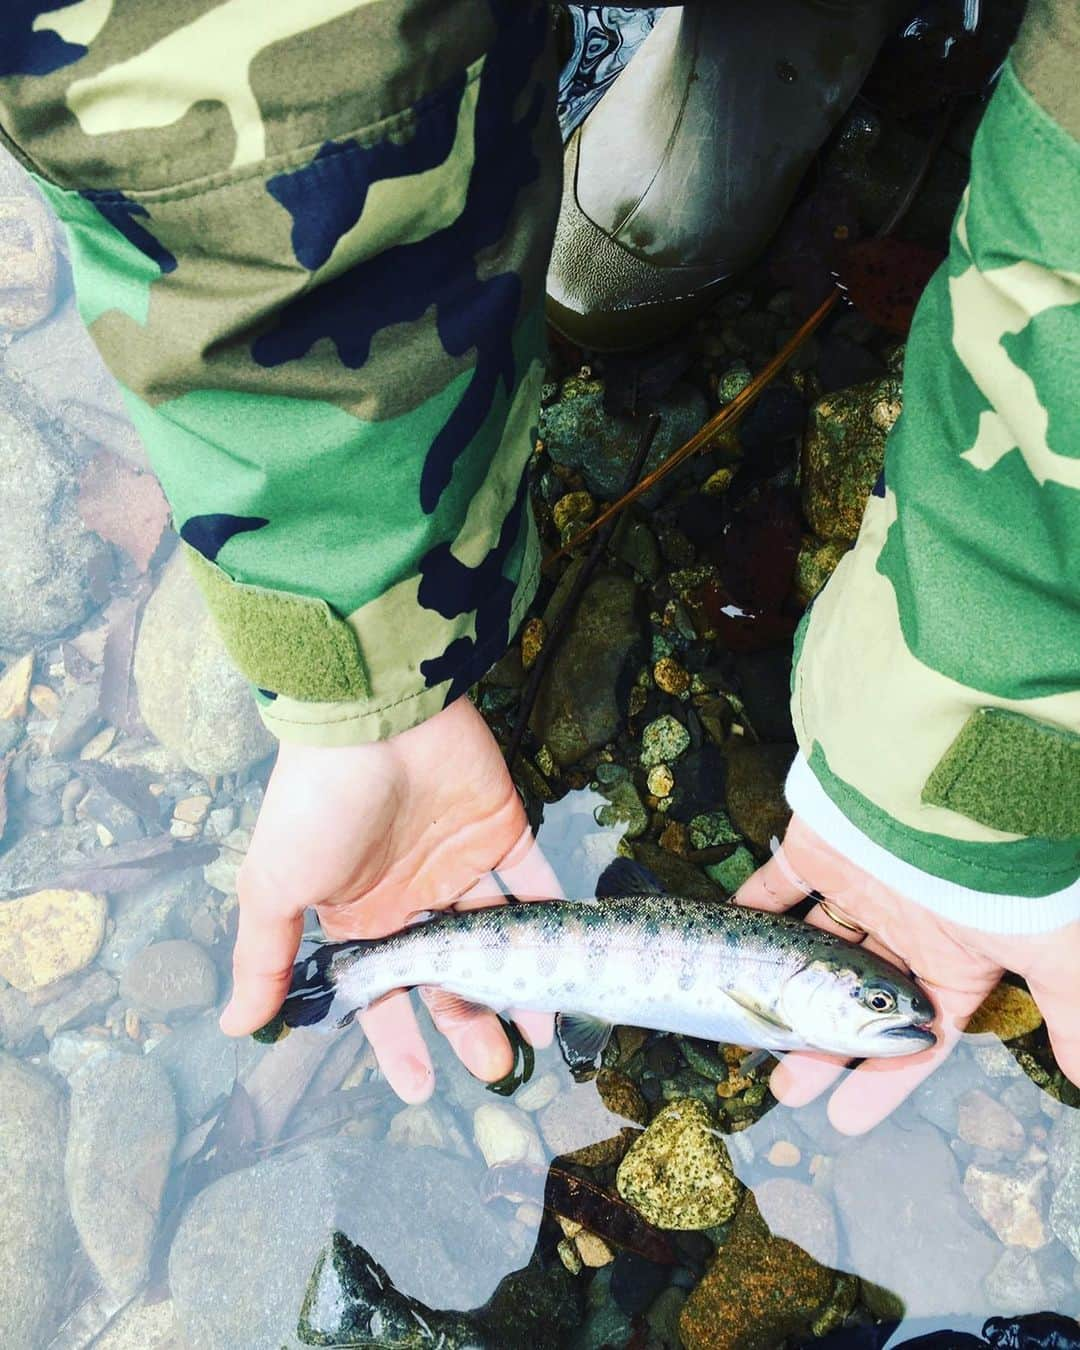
(911, 1031)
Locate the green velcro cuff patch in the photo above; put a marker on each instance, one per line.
(285, 643)
(1011, 773)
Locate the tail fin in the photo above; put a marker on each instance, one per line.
(314, 992)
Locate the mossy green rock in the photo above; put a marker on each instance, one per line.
(662, 741)
(755, 790)
(678, 1174)
(759, 1290)
(817, 561)
(843, 453)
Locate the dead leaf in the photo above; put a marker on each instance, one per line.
(119, 701)
(884, 278)
(126, 866)
(124, 506)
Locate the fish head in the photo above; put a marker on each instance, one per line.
(850, 1002)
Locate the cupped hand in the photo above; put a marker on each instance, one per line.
(369, 836)
(957, 966)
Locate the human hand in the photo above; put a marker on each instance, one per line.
(370, 836)
(957, 967)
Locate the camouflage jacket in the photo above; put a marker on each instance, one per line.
(310, 242)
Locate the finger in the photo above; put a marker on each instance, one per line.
(537, 1028)
(878, 1086)
(773, 886)
(266, 946)
(801, 1077)
(1057, 1003)
(392, 1029)
(475, 1035)
(525, 872)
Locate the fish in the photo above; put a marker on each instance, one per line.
(635, 956)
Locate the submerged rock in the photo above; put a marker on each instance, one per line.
(589, 1124)
(755, 790)
(247, 1246)
(843, 453)
(47, 558)
(350, 1300)
(35, 1235)
(578, 433)
(191, 696)
(578, 706)
(120, 1146)
(168, 979)
(48, 935)
(759, 1290)
(892, 1189)
(678, 1173)
(1007, 1012)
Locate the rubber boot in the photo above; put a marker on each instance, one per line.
(680, 175)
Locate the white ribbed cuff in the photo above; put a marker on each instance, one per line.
(976, 909)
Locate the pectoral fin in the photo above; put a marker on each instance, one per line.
(581, 1039)
(448, 1009)
(759, 1014)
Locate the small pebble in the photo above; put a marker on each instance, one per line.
(181, 829)
(663, 741)
(15, 688)
(569, 1256)
(675, 838)
(593, 1250)
(784, 1154)
(132, 1025)
(571, 1228)
(105, 836)
(46, 701)
(534, 1096)
(192, 810)
(671, 677)
(221, 821)
(98, 745)
(533, 636)
(660, 781)
(574, 508)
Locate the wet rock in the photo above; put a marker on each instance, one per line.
(663, 1318)
(817, 561)
(624, 811)
(1065, 1210)
(48, 935)
(733, 871)
(190, 695)
(677, 876)
(892, 1189)
(15, 688)
(635, 1282)
(797, 1212)
(538, 1307)
(46, 557)
(35, 1235)
(636, 546)
(27, 262)
(1011, 1203)
(678, 1173)
(592, 1123)
(425, 1127)
(142, 1326)
(663, 741)
(351, 1301)
(120, 1145)
(163, 908)
(755, 790)
(578, 706)
(247, 1246)
(18, 1019)
(1008, 1012)
(538, 1092)
(60, 368)
(579, 434)
(34, 861)
(79, 719)
(504, 1134)
(605, 1322)
(202, 1063)
(169, 979)
(72, 1051)
(759, 1290)
(1015, 1285)
(985, 1123)
(843, 453)
(85, 997)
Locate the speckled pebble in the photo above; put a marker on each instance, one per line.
(171, 978)
(663, 741)
(678, 1173)
(660, 781)
(48, 935)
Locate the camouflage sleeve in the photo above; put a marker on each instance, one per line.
(936, 695)
(310, 242)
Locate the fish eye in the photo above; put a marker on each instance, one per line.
(881, 1000)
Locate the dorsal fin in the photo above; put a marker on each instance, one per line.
(624, 876)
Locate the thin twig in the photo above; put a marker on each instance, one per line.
(733, 411)
(561, 621)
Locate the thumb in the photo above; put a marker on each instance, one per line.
(266, 946)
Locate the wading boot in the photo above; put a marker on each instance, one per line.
(679, 176)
